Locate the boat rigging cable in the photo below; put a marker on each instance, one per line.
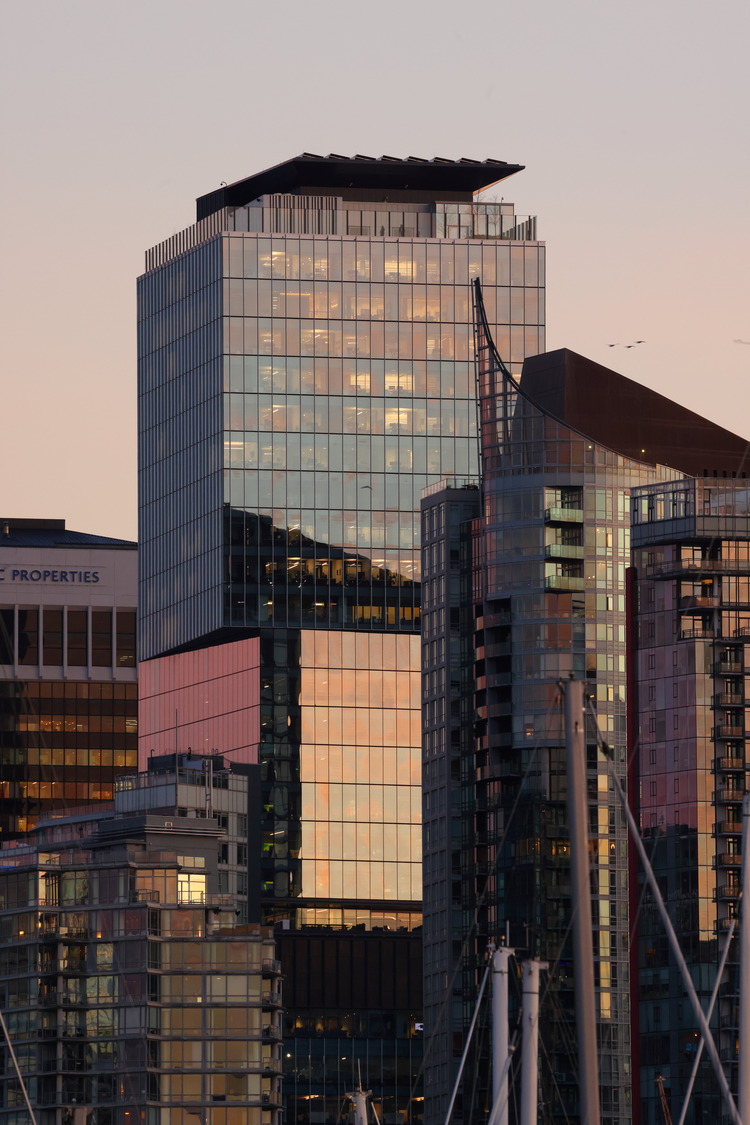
(667, 922)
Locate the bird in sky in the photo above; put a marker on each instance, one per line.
(626, 345)
(741, 341)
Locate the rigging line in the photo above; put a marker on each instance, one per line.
(558, 1091)
(17, 1069)
(709, 1013)
(480, 902)
(498, 1106)
(642, 896)
(467, 1044)
(671, 935)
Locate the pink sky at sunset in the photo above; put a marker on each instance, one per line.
(630, 120)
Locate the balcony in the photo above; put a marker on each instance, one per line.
(728, 668)
(730, 764)
(730, 859)
(729, 828)
(728, 891)
(695, 632)
(563, 551)
(563, 582)
(271, 966)
(272, 1031)
(722, 731)
(693, 601)
(727, 795)
(271, 1000)
(729, 699)
(563, 515)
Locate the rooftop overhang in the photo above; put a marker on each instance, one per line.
(332, 175)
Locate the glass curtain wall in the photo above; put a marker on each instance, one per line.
(552, 581)
(304, 405)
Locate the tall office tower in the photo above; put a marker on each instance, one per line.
(691, 552)
(133, 993)
(546, 563)
(68, 691)
(305, 370)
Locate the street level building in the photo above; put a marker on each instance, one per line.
(531, 591)
(68, 690)
(305, 359)
(133, 992)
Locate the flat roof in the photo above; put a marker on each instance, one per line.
(53, 533)
(332, 174)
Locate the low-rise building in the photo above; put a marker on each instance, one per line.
(68, 678)
(132, 987)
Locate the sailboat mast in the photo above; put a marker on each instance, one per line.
(500, 1040)
(530, 1042)
(580, 890)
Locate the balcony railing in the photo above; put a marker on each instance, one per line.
(729, 796)
(563, 515)
(563, 551)
(563, 582)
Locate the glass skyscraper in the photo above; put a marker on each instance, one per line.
(526, 582)
(305, 370)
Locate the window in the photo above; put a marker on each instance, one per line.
(126, 638)
(77, 638)
(52, 636)
(191, 887)
(101, 638)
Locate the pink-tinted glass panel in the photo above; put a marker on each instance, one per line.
(210, 698)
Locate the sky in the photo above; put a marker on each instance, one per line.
(630, 120)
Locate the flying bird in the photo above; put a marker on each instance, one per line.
(626, 345)
(741, 341)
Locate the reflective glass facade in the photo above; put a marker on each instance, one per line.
(359, 768)
(691, 551)
(549, 555)
(306, 370)
(209, 699)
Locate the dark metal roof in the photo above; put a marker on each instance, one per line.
(333, 173)
(53, 533)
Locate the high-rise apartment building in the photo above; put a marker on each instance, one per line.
(530, 591)
(691, 555)
(305, 355)
(134, 994)
(68, 690)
